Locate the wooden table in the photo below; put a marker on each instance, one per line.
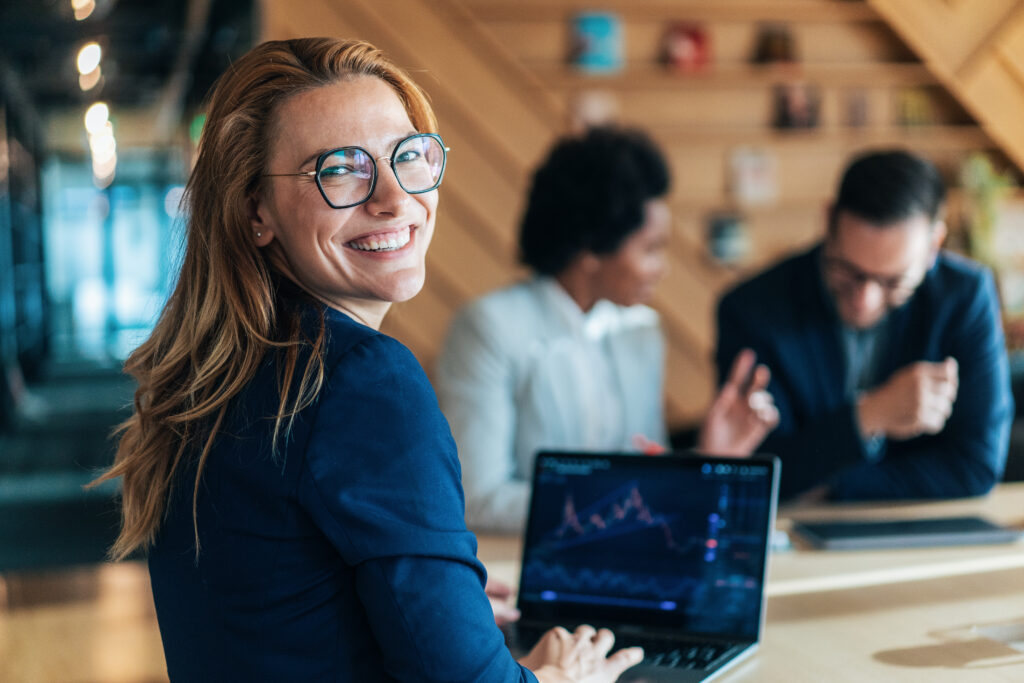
(92, 624)
(937, 614)
(927, 614)
(944, 629)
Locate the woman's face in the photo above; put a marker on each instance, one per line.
(630, 274)
(360, 259)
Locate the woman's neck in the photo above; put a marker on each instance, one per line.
(367, 312)
(371, 314)
(579, 285)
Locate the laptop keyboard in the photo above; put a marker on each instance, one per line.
(676, 654)
(664, 652)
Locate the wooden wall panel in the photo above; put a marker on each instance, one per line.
(697, 110)
(698, 175)
(975, 49)
(945, 34)
(1002, 93)
(1011, 48)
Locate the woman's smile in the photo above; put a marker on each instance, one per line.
(384, 242)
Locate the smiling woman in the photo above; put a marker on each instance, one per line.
(287, 468)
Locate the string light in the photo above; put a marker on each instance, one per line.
(88, 81)
(83, 8)
(96, 117)
(102, 145)
(89, 57)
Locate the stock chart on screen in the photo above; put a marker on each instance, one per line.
(686, 542)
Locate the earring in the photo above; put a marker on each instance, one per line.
(259, 234)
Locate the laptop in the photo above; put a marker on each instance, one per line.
(670, 552)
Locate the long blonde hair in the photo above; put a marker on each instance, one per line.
(222, 318)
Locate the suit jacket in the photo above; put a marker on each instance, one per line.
(343, 556)
(785, 316)
(510, 381)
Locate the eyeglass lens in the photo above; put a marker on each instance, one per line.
(347, 175)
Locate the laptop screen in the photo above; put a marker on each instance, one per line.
(673, 542)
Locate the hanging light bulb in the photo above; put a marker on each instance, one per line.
(96, 117)
(88, 81)
(89, 57)
(83, 8)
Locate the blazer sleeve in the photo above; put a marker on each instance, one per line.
(811, 450)
(382, 483)
(968, 456)
(476, 385)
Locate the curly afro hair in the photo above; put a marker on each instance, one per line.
(589, 195)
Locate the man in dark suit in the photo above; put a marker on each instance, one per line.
(888, 364)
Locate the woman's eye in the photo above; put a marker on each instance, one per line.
(407, 156)
(342, 171)
(335, 170)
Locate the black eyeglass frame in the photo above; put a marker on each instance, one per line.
(893, 287)
(373, 160)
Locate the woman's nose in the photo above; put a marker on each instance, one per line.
(389, 197)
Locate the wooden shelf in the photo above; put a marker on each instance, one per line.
(923, 137)
(641, 76)
(691, 10)
(690, 208)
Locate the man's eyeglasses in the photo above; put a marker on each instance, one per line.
(347, 176)
(849, 277)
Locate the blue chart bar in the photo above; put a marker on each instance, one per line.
(665, 605)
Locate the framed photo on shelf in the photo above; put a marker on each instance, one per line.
(914, 107)
(796, 105)
(685, 47)
(855, 108)
(728, 238)
(774, 44)
(753, 176)
(596, 42)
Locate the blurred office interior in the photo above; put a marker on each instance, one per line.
(758, 105)
(100, 107)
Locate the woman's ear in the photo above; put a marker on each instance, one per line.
(938, 236)
(939, 232)
(262, 229)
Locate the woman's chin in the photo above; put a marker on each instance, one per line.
(405, 288)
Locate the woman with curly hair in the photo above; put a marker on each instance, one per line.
(571, 358)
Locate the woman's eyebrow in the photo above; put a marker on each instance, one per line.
(315, 155)
(390, 144)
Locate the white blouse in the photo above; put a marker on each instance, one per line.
(524, 369)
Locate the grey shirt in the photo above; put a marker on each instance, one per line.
(864, 352)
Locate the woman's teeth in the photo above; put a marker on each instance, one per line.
(391, 242)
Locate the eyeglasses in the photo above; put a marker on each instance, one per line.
(347, 176)
(848, 277)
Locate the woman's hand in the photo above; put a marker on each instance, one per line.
(579, 657)
(500, 594)
(743, 413)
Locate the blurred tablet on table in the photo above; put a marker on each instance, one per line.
(906, 533)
